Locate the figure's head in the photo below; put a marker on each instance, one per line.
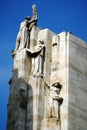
(27, 18)
(57, 85)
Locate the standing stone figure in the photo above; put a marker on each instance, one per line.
(34, 19)
(23, 37)
(38, 61)
(55, 101)
(38, 54)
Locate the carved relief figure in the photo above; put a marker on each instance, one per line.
(55, 101)
(38, 54)
(34, 19)
(23, 37)
(23, 34)
(38, 61)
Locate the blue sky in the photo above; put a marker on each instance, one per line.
(57, 15)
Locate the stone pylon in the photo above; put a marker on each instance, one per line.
(48, 88)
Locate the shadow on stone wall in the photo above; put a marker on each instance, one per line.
(17, 103)
(29, 116)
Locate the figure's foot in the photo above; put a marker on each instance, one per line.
(35, 74)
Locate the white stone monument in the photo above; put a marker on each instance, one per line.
(48, 88)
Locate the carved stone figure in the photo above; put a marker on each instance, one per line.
(23, 37)
(38, 54)
(38, 61)
(34, 19)
(55, 101)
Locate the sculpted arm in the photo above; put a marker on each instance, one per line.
(36, 50)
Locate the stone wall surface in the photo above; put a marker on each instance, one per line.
(77, 90)
(63, 77)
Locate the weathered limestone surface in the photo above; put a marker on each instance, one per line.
(54, 97)
(77, 91)
(35, 103)
(72, 74)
